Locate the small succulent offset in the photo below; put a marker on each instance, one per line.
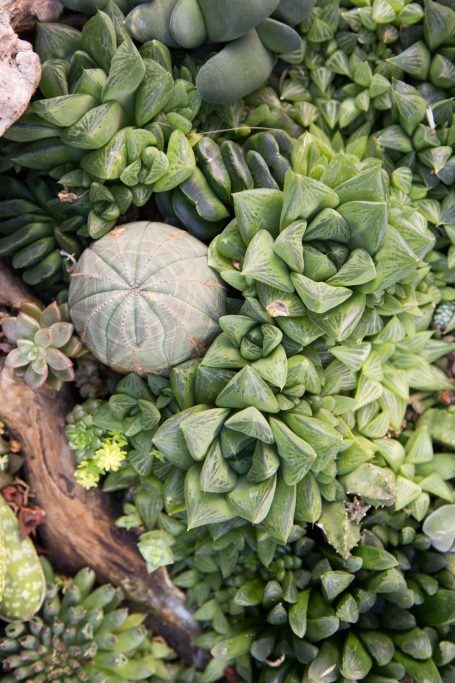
(143, 298)
(45, 344)
(254, 30)
(83, 633)
(22, 583)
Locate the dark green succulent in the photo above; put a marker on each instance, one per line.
(82, 633)
(385, 612)
(39, 233)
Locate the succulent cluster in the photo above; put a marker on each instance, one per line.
(40, 236)
(204, 203)
(283, 434)
(385, 612)
(254, 30)
(82, 633)
(107, 113)
(44, 342)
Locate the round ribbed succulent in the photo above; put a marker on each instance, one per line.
(82, 634)
(143, 298)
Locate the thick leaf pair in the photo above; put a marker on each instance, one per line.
(252, 37)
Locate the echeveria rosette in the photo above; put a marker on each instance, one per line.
(143, 298)
(111, 124)
(255, 31)
(39, 233)
(386, 611)
(45, 344)
(83, 633)
(22, 582)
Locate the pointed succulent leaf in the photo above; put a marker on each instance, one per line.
(319, 297)
(261, 263)
(288, 245)
(126, 60)
(252, 423)
(298, 614)
(170, 441)
(355, 662)
(335, 582)
(303, 197)
(216, 475)
(182, 162)
(256, 210)
(297, 455)
(246, 389)
(204, 508)
(252, 501)
(201, 429)
(342, 533)
(279, 521)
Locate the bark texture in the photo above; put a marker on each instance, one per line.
(20, 72)
(25, 13)
(80, 526)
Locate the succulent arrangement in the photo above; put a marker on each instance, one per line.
(267, 378)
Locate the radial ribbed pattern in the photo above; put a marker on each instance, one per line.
(143, 298)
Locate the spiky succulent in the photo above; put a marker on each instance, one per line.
(38, 233)
(254, 32)
(22, 583)
(45, 344)
(82, 633)
(153, 283)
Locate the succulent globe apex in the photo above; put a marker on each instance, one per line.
(143, 298)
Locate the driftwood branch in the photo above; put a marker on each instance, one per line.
(20, 72)
(80, 526)
(25, 13)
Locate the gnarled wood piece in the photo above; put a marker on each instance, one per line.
(25, 13)
(20, 72)
(80, 528)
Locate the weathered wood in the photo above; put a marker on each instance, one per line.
(80, 526)
(20, 72)
(25, 13)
